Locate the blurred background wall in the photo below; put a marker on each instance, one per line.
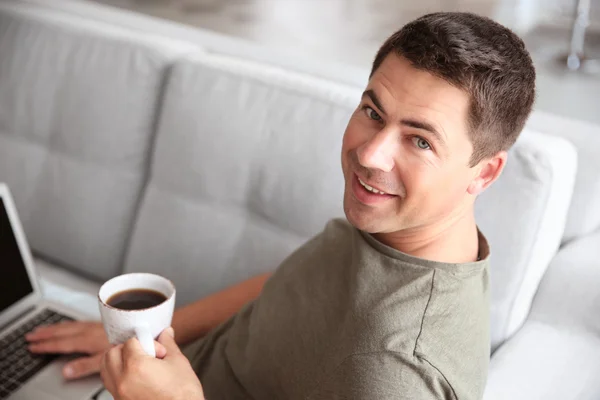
(350, 31)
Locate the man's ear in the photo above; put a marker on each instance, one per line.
(488, 170)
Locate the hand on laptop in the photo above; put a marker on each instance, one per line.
(72, 337)
(130, 374)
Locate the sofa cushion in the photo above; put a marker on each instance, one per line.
(584, 213)
(545, 362)
(568, 295)
(246, 168)
(523, 216)
(77, 106)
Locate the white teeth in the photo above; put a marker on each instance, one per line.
(369, 188)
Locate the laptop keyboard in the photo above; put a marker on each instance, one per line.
(17, 364)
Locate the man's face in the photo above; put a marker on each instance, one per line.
(409, 139)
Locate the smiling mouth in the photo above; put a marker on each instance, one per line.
(367, 194)
(371, 189)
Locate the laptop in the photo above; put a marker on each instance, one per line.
(24, 376)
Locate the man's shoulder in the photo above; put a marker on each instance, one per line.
(327, 248)
(447, 339)
(337, 234)
(338, 227)
(384, 375)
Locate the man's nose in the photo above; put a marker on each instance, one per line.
(379, 151)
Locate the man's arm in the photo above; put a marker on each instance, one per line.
(190, 322)
(384, 376)
(197, 319)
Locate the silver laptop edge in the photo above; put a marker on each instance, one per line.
(31, 300)
(48, 383)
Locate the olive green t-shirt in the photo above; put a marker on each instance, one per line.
(346, 317)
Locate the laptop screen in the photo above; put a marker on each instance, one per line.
(14, 281)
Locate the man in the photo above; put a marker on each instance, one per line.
(393, 304)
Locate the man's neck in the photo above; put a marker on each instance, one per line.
(454, 240)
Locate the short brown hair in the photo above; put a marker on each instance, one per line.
(481, 57)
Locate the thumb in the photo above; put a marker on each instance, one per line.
(132, 348)
(167, 339)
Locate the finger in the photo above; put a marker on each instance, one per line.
(167, 339)
(161, 351)
(132, 348)
(104, 376)
(82, 367)
(71, 344)
(113, 360)
(110, 367)
(57, 330)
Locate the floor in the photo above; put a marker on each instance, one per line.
(351, 30)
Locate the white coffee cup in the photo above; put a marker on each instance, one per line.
(145, 324)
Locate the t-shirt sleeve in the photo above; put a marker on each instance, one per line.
(384, 376)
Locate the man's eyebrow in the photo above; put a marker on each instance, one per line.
(412, 123)
(371, 94)
(426, 126)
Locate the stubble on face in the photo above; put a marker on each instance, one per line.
(427, 184)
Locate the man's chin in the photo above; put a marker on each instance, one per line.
(365, 222)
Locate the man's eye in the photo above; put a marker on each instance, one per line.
(421, 143)
(372, 114)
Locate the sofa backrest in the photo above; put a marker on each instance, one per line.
(584, 212)
(583, 218)
(273, 134)
(523, 216)
(245, 169)
(78, 101)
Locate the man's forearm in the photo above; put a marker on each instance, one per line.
(197, 319)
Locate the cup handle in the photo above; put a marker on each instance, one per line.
(146, 340)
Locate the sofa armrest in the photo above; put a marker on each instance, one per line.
(543, 362)
(556, 354)
(569, 294)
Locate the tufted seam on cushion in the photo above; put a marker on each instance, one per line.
(201, 71)
(52, 149)
(239, 208)
(162, 51)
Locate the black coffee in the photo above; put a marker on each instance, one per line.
(136, 299)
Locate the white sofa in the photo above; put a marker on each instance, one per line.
(134, 144)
